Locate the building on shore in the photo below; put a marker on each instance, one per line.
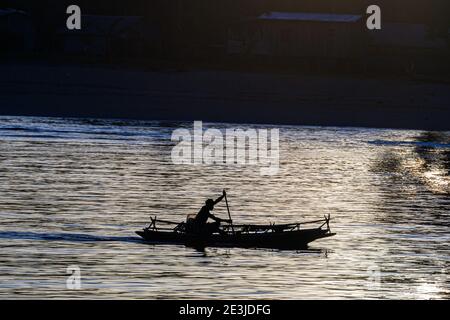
(299, 35)
(408, 47)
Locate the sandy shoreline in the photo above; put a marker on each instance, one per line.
(222, 96)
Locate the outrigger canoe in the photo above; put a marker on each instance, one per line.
(282, 236)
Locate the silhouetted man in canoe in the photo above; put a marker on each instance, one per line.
(201, 219)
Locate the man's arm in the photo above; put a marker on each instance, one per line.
(215, 218)
(220, 198)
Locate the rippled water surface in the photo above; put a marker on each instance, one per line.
(72, 192)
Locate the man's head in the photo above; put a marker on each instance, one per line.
(209, 204)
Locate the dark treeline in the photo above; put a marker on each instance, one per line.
(405, 10)
(413, 11)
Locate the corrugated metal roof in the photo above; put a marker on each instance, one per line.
(306, 16)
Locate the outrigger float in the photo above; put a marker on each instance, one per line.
(292, 236)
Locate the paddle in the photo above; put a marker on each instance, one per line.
(229, 214)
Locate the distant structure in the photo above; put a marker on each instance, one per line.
(407, 36)
(17, 31)
(300, 35)
(408, 46)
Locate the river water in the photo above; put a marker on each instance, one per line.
(73, 191)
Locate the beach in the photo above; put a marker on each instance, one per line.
(73, 90)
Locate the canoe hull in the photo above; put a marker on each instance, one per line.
(288, 240)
